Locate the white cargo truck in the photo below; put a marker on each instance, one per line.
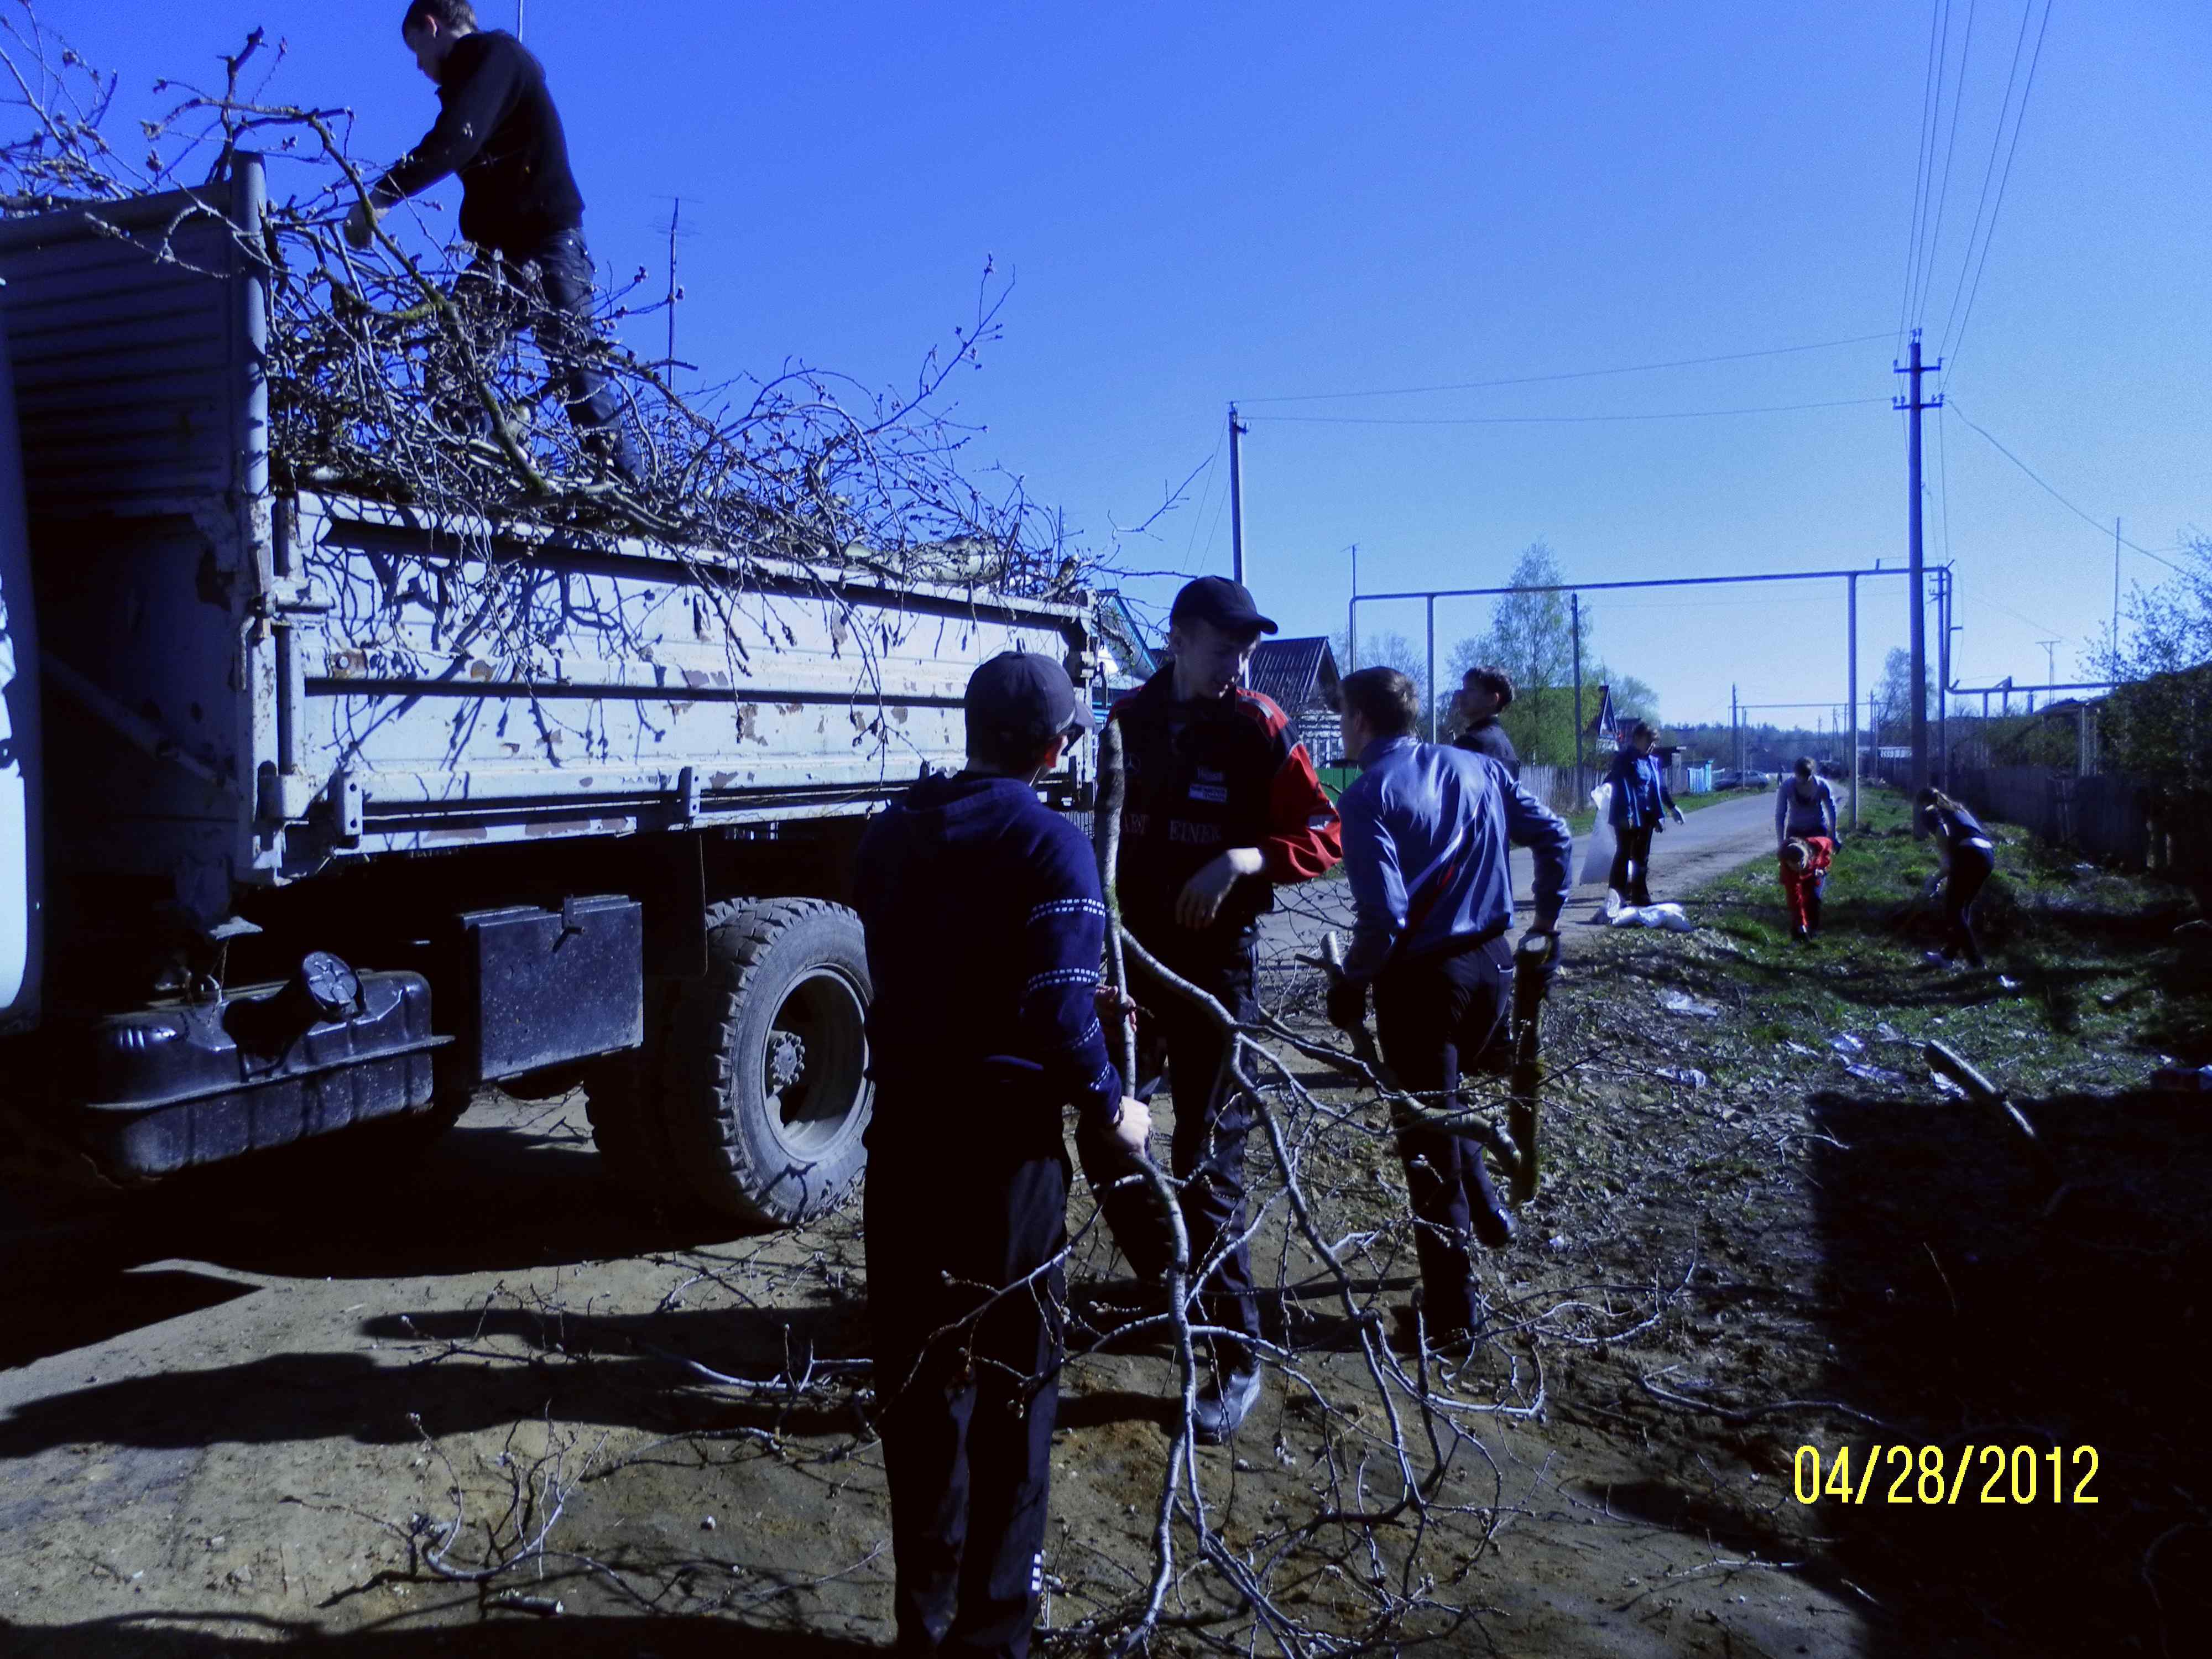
(296, 837)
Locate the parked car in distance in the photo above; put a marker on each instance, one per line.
(1743, 780)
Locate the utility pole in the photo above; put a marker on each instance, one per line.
(1735, 729)
(675, 217)
(2115, 668)
(1944, 677)
(521, 9)
(1917, 605)
(2050, 661)
(1429, 692)
(1575, 622)
(1852, 700)
(1352, 616)
(1237, 429)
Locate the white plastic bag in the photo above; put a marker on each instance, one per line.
(1597, 854)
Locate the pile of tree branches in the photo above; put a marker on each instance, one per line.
(417, 375)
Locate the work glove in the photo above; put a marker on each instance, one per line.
(1932, 885)
(1678, 815)
(1347, 1004)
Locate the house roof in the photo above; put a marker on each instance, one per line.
(1295, 674)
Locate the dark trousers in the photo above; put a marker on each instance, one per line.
(1970, 868)
(1210, 1122)
(1631, 845)
(967, 1423)
(547, 288)
(1435, 1017)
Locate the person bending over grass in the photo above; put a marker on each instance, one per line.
(1805, 860)
(1968, 857)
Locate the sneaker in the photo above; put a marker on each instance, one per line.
(1224, 1403)
(1800, 935)
(1494, 1224)
(1935, 959)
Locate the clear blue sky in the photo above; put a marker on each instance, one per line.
(1208, 202)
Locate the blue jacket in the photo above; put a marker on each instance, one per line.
(986, 929)
(1427, 834)
(1640, 795)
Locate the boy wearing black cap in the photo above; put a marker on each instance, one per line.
(984, 930)
(1223, 804)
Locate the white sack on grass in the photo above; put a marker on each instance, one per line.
(1598, 854)
(1671, 917)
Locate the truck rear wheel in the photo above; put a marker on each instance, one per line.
(765, 1093)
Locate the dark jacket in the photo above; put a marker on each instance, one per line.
(986, 929)
(1640, 795)
(497, 128)
(1956, 827)
(1487, 737)
(1204, 777)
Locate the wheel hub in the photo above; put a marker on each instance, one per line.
(786, 1059)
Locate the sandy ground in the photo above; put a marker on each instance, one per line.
(224, 1403)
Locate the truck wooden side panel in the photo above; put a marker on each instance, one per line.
(248, 690)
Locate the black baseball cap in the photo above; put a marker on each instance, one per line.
(1227, 605)
(1027, 694)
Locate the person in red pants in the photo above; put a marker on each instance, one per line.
(1805, 860)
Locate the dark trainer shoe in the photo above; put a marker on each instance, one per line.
(1224, 1403)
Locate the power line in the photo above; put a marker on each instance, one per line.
(1919, 182)
(1942, 48)
(2004, 179)
(1569, 375)
(1988, 171)
(1551, 420)
(1204, 496)
(1952, 403)
(1950, 150)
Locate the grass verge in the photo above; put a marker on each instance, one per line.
(1889, 1281)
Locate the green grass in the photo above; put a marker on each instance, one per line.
(1584, 821)
(2086, 985)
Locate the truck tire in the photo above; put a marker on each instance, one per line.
(621, 1098)
(765, 1091)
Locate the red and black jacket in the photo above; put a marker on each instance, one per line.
(1203, 777)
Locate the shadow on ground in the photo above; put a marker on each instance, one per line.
(504, 1636)
(490, 1198)
(1975, 1303)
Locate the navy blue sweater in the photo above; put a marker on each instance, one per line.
(497, 128)
(985, 928)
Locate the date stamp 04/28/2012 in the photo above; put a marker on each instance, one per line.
(1942, 1475)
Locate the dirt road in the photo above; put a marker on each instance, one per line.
(1705, 844)
(234, 1413)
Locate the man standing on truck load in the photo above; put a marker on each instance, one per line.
(984, 929)
(497, 128)
(1484, 695)
(1223, 804)
(1428, 834)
